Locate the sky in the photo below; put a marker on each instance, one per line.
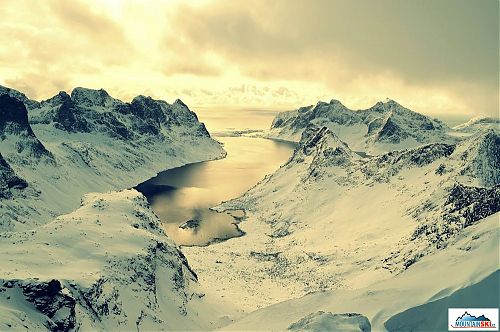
(437, 57)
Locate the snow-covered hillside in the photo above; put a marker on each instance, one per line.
(89, 142)
(465, 273)
(477, 124)
(384, 127)
(332, 219)
(106, 266)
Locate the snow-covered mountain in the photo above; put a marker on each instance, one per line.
(17, 139)
(101, 262)
(384, 127)
(477, 124)
(89, 110)
(379, 218)
(331, 218)
(108, 265)
(19, 96)
(88, 141)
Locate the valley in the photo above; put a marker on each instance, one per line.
(236, 231)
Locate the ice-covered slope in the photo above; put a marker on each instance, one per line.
(89, 141)
(106, 266)
(332, 219)
(381, 128)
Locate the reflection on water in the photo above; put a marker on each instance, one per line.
(182, 196)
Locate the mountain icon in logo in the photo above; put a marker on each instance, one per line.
(469, 321)
(468, 317)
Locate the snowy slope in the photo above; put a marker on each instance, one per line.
(332, 219)
(466, 274)
(105, 266)
(477, 124)
(384, 127)
(90, 142)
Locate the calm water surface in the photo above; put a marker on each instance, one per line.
(185, 194)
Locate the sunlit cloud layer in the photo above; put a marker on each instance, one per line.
(434, 56)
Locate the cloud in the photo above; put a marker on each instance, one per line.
(435, 56)
(419, 43)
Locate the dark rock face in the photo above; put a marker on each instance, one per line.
(149, 115)
(13, 116)
(14, 121)
(48, 298)
(9, 180)
(70, 118)
(472, 203)
(390, 132)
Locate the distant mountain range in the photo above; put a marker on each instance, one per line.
(384, 127)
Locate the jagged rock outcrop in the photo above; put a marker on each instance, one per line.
(88, 110)
(16, 133)
(19, 96)
(9, 180)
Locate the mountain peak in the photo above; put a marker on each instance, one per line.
(14, 120)
(19, 96)
(91, 97)
(180, 103)
(58, 99)
(323, 141)
(387, 105)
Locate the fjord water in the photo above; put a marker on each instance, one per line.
(186, 193)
